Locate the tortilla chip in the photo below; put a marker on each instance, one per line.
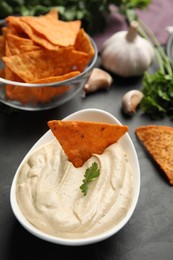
(29, 48)
(2, 73)
(57, 78)
(2, 46)
(32, 66)
(37, 94)
(55, 31)
(14, 92)
(13, 27)
(44, 95)
(23, 27)
(52, 14)
(83, 43)
(80, 140)
(8, 52)
(20, 94)
(34, 95)
(18, 45)
(158, 140)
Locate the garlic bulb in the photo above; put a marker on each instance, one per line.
(126, 53)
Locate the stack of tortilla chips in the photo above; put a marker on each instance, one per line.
(42, 49)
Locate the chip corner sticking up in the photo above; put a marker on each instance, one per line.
(81, 139)
(158, 141)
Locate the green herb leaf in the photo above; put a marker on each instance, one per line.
(158, 89)
(90, 175)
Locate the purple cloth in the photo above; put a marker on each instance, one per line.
(157, 17)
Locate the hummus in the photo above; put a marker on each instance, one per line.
(49, 196)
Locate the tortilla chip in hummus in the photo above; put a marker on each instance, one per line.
(80, 140)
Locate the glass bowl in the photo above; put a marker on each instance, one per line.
(75, 84)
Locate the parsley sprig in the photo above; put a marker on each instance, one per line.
(158, 86)
(90, 175)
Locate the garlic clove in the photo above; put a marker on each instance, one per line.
(99, 79)
(131, 100)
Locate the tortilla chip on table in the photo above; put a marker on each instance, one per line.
(158, 140)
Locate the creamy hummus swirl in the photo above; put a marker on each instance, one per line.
(49, 196)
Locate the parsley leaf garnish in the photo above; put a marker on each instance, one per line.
(90, 175)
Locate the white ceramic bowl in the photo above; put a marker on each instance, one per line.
(126, 143)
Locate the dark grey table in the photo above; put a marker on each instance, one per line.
(148, 234)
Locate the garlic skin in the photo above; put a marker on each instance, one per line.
(126, 53)
(131, 100)
(99, 79)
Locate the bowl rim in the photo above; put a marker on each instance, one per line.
(89, 240)
(71, 80)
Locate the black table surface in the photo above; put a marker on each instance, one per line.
(147, 235)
